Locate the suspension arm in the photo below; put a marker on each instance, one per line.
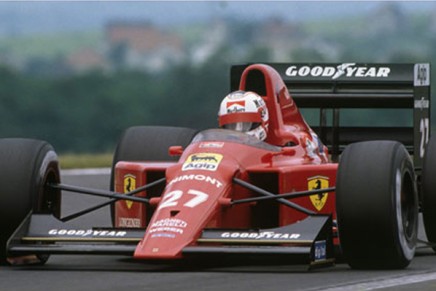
(102, 192)
(290, 195)
(97, 192)
(274, 196)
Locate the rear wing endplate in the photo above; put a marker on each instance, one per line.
(330, 87)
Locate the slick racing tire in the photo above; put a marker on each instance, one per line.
(27, 166)
(429, 191)
(148, 143)
(377, 205)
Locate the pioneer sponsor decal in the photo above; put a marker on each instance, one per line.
(320, 252)
(422, 104)
(86, 233)
(202, 161)
(193, 177)
(263, 235)
(162, 227)
(346, 70)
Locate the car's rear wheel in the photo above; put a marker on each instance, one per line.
(148, 143)
(27, 166)
(429, 191)
(377, 205)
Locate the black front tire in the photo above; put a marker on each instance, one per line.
(429, 191)
(148, 143)
(377, 205)
(27, 166)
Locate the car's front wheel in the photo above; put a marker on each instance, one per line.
(27, 166)
(377, 205)
(429, 191)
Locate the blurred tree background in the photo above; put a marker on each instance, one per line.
(48, 96)
(88, 112)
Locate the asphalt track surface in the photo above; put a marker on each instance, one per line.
(107, 273)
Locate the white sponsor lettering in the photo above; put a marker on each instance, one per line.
(87, 232)
(344, 70)
(129, 222)
(422, 104)
(168, 225)
(173, 222)
(320, 250)
(166, 229)
(261, 235)
(207, 179)
(167, 235)
(422, 75)
(211, 145)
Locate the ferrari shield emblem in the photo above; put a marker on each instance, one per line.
(129, 185)
(314, 183)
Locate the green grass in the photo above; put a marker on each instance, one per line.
(81, 161)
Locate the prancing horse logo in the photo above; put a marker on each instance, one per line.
(314, 183)
(129, 185)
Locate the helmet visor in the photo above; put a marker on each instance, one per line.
(241, 126)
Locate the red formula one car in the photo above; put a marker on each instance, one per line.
(177, 193)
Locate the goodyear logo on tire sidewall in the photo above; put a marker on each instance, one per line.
(314, 183)
(202, 161)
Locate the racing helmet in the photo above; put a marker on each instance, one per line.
(245, 112)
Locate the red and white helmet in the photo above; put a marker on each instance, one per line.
(245, 112)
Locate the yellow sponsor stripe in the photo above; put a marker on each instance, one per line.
(67, 239)
(294, 242)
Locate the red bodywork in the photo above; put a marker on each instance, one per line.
(199, 187)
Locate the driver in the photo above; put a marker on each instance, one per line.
(245, 112)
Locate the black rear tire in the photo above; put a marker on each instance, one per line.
(429, 191)
(148, 143)
(27, 166)
(377, 205)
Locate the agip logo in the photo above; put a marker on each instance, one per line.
(202, 161)
(315, 183)
(129, 185)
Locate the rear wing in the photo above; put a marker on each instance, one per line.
(331, 87)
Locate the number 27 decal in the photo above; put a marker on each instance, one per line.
(424, 128)
(172, 198)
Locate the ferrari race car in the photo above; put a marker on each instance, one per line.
(178, 193)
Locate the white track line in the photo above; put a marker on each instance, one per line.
(379, 284)
(373, 285)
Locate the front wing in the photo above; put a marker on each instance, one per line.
(309, 241)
